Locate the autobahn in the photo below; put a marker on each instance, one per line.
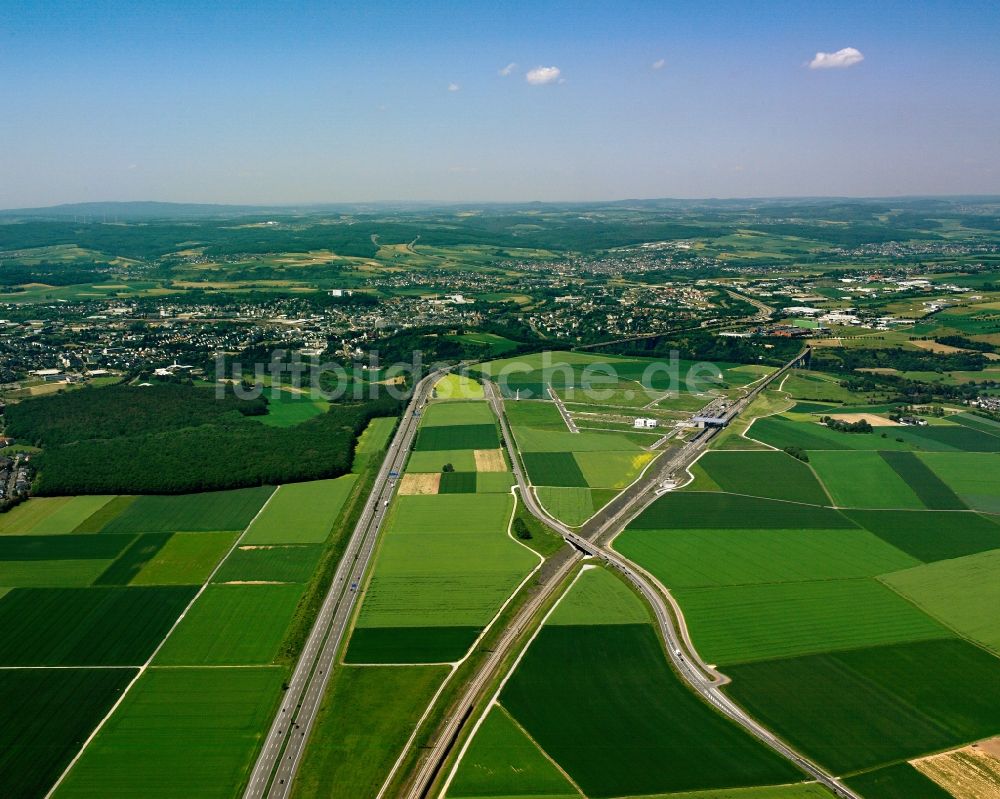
(701, 677)
(282, 750)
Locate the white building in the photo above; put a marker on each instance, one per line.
(644, 424)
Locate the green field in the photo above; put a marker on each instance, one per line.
(107, 626)
(45, 715)
(817, 387)
(781, 432)
(374, 439)
(862, 480)
(459, 482)
(348, 757)
(863, 708)
(442, 579)
(703, 558)
(186, 559)
(810, 790)
(931, 490)
(285, 409)
(453, 513)
(959, 592)
(503, 761)
(187, 732)
(444, 414)
(445, 566)
(603, 702)
(553, 469)
(462, 460)
(573, 506)
(62, 547)
(737, 624)
(599, 596)
(283, 564)
(45, 515)
(493, 482)
(775, 475)
(706, 510)
(143, 549)
(99, 519)
(457, 436)
(51, 573)
(69, 516)
(533, 439)
(930, 536)
(539, 414)
(301, 513)
(971, 475)
(456, 387)
(213, 510)
(232, 625)
(611, 469)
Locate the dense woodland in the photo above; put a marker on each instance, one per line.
(699, 345)
(175, 439)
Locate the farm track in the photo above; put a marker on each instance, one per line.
(285, 742)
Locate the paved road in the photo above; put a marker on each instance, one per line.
(444, 737)
(562, 410)
(279, 757)
(699, 676)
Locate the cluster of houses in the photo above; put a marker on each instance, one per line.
(15, 477)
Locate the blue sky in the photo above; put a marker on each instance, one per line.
(336, 101)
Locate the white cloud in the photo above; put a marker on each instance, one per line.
(847, 57)
(453, 87)
(542, 75)
(659, 63)
(507, 70)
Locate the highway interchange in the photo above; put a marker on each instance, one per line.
(282, 750)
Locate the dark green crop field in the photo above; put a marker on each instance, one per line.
(931, 536)
(285, 564)
(110, 626)
(457, 436)
(211, 511)
(775, 475)
(143, 549)
(45, 715)
(410, 644)
(189, 733)
(930, 488)
(62, 547)
(554, 469)
(863, 708)
(457, 483)
(708, 510)
(603, 702)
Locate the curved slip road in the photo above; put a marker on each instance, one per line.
(285, 742)
(699, 676)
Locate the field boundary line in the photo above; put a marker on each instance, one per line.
(494, 700)
(538, 746)
(159, 646)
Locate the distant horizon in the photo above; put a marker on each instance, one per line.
(984, 197)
